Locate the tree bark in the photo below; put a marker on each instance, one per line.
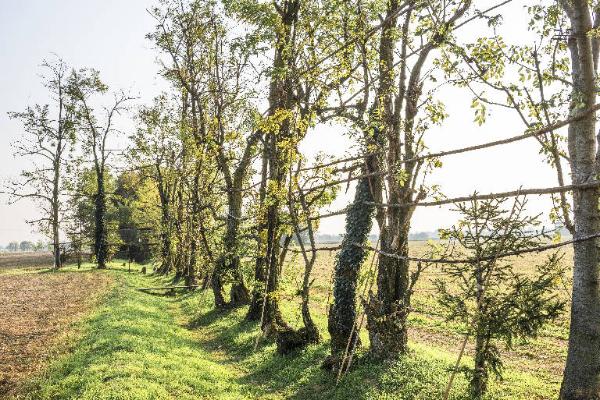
(260, 275)
(55, 217)
(56, 222)
(165, 222)
(272, 320)
(229, 262)
(165, 251)
(190, 273)
(479, 380)
(387, 311)
(100, 236)
(581, 378)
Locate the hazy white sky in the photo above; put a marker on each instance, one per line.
(109, 35)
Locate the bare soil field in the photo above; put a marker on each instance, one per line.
(26, 260)
(35, 311)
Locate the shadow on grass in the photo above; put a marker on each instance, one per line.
(299, 375)
(209, 318)
(295, 376)
(147, 346)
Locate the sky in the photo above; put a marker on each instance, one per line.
(109, 35)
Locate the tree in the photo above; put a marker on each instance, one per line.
(80, 219)
(49, 134)
(303, 204)
(300, 84)
(212, 66)
(135, 229)
(13, 246)
(157, 154)
(488, 295)
(393, 114)
(279, 153)
(95, 131)
(561, 68)
(234, 154)
(489, 65)
(40, 246)
(26, 245)
(582, 372)
(397, 113)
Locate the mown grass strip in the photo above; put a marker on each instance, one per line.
(146, 346)
(132, 348)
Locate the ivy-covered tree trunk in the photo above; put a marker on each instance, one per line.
(342, 315)
(100, 232)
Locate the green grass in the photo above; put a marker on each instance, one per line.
(423, 374)
(132, 347)
(143, 346)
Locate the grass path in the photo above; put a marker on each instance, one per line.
(141, 346)
(133, 348)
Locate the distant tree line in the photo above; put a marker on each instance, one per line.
(26, 245)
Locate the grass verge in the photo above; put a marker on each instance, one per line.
(143, 346)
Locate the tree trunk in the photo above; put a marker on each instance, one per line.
(55, 217)
(281, 98)
(479, 380)
(255, 308)
(56, 236)
(100, 236)
(260, 275)
(179, 257)
(581, 378)
(165, 253)
(190, 273)
(272, 320)
(289, 340)
(387, 312)
(165, 235)
(229, 263)
(342, 314)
